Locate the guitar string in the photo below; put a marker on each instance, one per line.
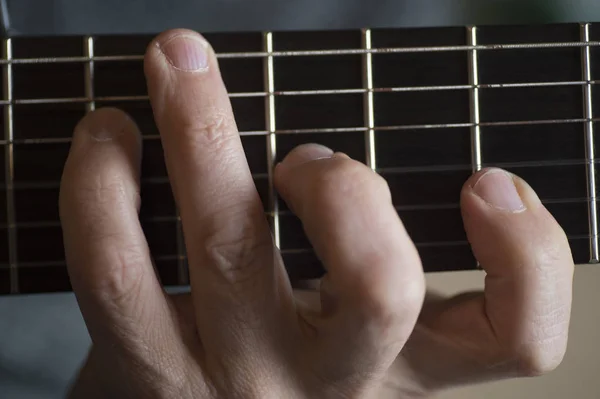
(326, 52)
(325, 92)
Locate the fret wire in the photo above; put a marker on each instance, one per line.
(271, 123)
(9, 166)
(303, 53)
(368, 102)
(88, 47)
(589, 145)
(474, 102)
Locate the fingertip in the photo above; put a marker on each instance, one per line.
(500, 191)
(106, 124)
(183, 50)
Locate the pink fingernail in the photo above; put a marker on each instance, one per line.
(306, 153)
(186, 52)
(497, 188)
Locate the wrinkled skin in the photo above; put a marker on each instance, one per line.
(367, 330)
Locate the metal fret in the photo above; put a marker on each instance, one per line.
(269, 82)
(88, 47)
(474, 101)
(9, 168)
(589, 144)
(369, 107)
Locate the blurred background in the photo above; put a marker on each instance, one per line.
(43, 339)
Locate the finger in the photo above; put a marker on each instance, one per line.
(235, 273)
(519, 326)
(374, 287)
(529, 266)
(107, 256)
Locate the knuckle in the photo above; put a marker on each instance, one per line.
(122, 280)
(215, 129)
(238, 256)
(390, 303)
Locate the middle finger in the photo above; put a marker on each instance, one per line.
(235, 272)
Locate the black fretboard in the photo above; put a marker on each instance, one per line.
(424, 107)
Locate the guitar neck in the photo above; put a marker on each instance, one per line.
(424, 107)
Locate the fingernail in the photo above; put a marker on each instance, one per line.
(186, 52)
(104, 124)
(306, 153)
(497, 188)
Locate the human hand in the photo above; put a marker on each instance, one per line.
(241, 332)
(517, 327)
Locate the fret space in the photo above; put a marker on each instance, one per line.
(235, 42)
(423, 148)
(319, 111)
(47, 47)
(249, 113)
(40, 163)
(531, 104)
(46, 121)
(37, 205)
(422, 108)
(335, 72)
(316, 40)
(48, 80)
(530, 65)
(119, 78)
(40, 244)
(538, 33)
(522, 143)
(426, 189)
(420, 69)
(121, 45)
(560, 182)
(242, 75)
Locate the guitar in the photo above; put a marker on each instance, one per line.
(424, 107)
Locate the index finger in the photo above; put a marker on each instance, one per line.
(234, 271)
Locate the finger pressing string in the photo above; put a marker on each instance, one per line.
(240, 289)
(374, 287)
